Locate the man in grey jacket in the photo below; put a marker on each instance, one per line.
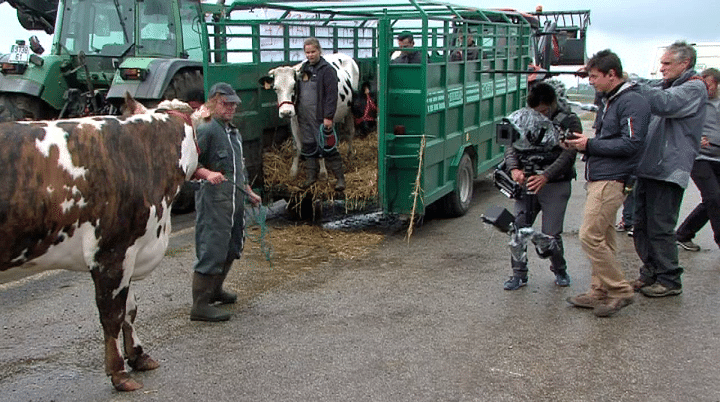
(706, 171)
(677, 103)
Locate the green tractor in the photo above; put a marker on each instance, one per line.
(102, 49)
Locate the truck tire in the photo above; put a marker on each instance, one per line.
(186, 85)
(457, 203)
(14, 107)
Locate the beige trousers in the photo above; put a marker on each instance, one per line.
(597, 236)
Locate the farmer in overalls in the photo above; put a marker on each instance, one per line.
(220, 219)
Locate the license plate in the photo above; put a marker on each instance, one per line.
(19, 54)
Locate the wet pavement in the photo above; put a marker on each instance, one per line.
(424, 320)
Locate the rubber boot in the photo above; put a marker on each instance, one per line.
(312, 166)
(203, 287)
(336, 165)
(221, 296)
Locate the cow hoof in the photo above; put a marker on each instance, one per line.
(143, 363)
(123, 383)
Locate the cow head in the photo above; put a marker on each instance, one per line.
(282, 80)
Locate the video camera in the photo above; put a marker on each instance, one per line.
(507, 186)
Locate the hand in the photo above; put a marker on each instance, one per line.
(209, 175)
(579, 142)
(254, 198)
(704, 142)
(518, 175)
(535, 183)
(215, 177)
(328, 123)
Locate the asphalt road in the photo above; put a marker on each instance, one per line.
(425, 320)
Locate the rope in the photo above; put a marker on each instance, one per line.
(260, 218)
(259, 215)
(321, 143)
(418, 188)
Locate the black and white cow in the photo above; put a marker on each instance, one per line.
(284, 79)
(94, 195)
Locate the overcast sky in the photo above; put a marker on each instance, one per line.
(632, 28)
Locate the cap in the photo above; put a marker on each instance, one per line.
(224, 88)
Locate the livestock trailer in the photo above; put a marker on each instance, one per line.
(436, 118)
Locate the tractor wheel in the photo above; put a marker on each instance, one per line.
(186, 85)
(457, 203)
(14, 107)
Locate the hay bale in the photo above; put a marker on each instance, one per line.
(360, 173)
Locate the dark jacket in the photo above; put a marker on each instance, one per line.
(619, 136)
(673, 141)
(561, 162)
(410, 57)
(327, 88)
(711, 130)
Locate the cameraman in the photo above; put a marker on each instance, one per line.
(537, 161)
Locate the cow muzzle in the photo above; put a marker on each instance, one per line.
(286, 109)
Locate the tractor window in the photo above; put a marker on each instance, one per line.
(191, 30)
(97, 27)
(157, 28)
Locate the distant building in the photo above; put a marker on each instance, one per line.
(582, 89)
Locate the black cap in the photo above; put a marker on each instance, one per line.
(224, 88)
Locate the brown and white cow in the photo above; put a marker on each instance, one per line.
(283, 80)
(94, 194)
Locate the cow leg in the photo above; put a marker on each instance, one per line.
(111, 301)
(295, 129)
(350, 131)
(323, 171)
(134, 354)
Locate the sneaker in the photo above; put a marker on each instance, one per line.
(688, 245)
(659, 290)
(515, 283)
(562, 279)
(612, 305)
(630, 232)
(623, 227)
(586, 300)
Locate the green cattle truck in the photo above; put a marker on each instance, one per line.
(436, 119)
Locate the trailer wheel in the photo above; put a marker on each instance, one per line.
(15, 107)
(457, 203)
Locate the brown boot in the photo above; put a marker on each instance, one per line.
(586, 300)
(612, 305)
(203, 287)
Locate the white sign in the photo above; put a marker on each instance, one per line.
(19, 54)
